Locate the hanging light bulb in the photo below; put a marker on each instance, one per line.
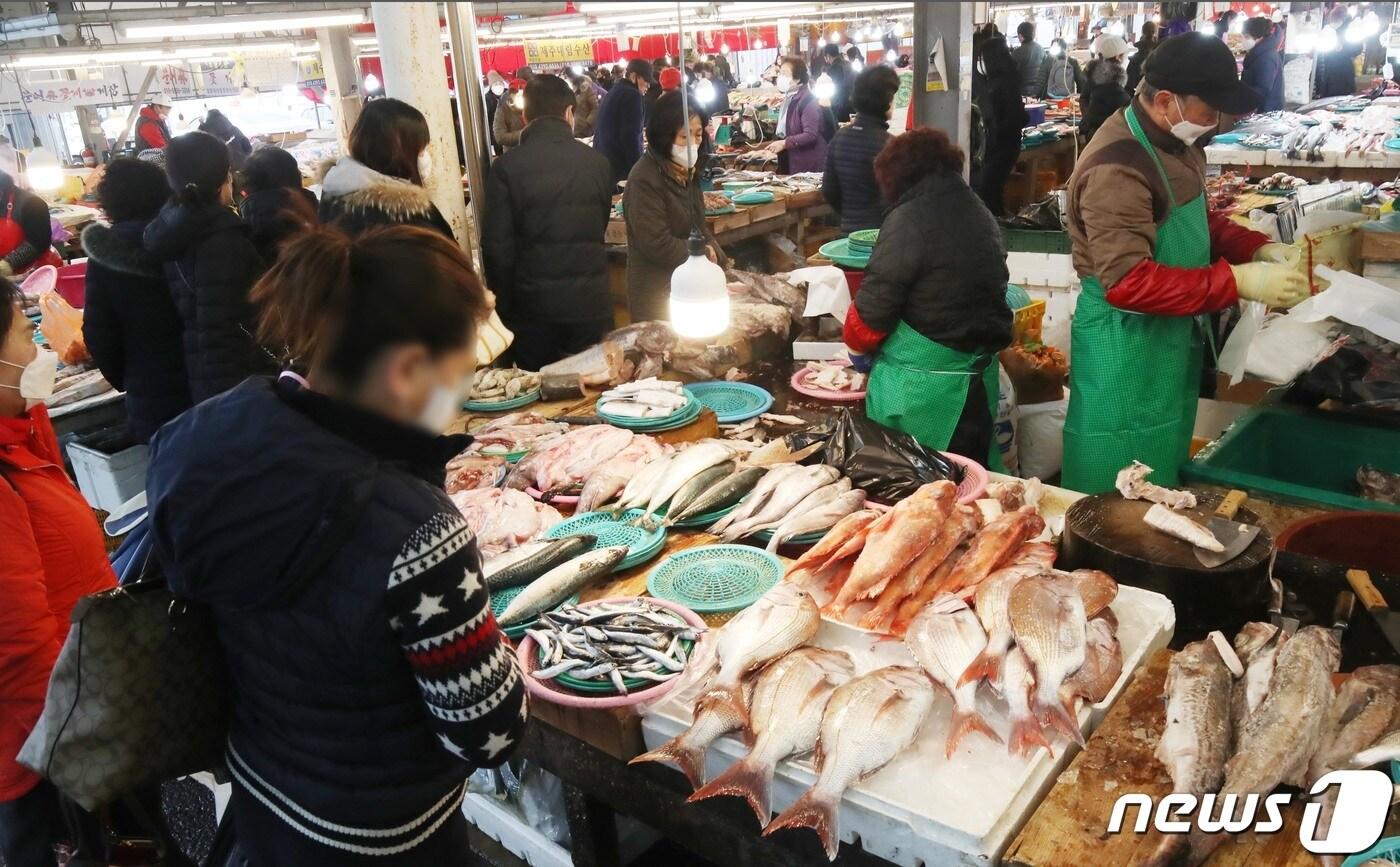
(1054, 49)
(821, 41)
(45, 174)
(668, 60)
(857, 66)
(836, 37)
(891, 56)
(372, 84)
(518, 100)
(1356, 31)
(704, 91)
(576, 69)
(724, 48)
(699, 298)
(758, 44)
(1327, 40)
(1371, 23)
(824, 87)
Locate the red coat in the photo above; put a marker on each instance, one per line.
(51, 557)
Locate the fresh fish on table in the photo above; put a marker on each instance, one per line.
(850, 527)
(997, 543)
(1282, 735)
(1096, 588)
(789, 491)
(1195, 743)
(602, 364)
(786, 709)
(638, 490)
(560, 583)
(1360, 714)
(699, 484)
(1176, 524)
(821, 517)
(895, 542)
(531, 560)
(1103, 662)
(681, 469)
(714, 717)
(1387, 749)
(945, 638)
(757, 498)
(725, 492)
(1047, 621)
(1017, 686)
(820, 496)
(992, 603)
(868, 722)
(614, 642)
(966, 521)
(611, 477)
(782, 619)
(1257, 645)
(1132, 483)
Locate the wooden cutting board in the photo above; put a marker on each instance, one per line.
(1069, 827)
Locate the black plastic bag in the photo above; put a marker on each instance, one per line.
(887, 464)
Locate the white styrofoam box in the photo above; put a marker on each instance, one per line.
(108, 481)
(1041, 269)
(817, 350)
(501, 824)
(1234, 155)
(903, 813)
(1275, 157)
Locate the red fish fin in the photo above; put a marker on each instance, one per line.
(813, 810)
(1061, 718)
(964, 723)
(987, 666)
(690, 759)
(734, 697)
(1026, 736)
(745, 779)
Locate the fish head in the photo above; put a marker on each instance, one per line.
(1255, 635)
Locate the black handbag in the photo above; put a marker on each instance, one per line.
(140, 694)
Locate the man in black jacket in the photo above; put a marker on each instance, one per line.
(547, 205)
(621, 115)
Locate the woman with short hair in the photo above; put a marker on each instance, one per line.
(801, 143)
(849, 183)
(931, 313)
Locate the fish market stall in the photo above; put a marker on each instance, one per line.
(777, 205)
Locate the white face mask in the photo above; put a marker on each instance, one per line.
(443, 405)
(498, 89)
(36, 381)
(1186, 131)
(685, 156)
(784, 83)
(425, 165)
(1247, 43)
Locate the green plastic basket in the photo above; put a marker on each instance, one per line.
(501, 599)
(715, 579)
(708, 518)
(1035, 241)
(812, 538)
(642, 543)
(681, 417)
(732, 402)
(864, 237)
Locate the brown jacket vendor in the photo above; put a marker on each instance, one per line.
(1151, 258)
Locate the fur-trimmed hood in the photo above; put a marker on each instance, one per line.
(119, 248)
(357, 187)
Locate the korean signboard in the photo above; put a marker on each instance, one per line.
(554, 51)
(63, 95)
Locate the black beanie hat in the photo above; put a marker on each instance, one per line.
(196, 165)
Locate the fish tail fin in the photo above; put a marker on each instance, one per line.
(878, 619)
(817, 810)
(773, 542)
(964, 723)
(987, 666)
(1060, 717)
(688, 757)
(1169, 851)
(1026, 735)
(746, 779)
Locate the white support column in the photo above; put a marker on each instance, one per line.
(342, 72)
(410, 50)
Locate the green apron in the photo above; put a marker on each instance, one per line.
(919, 386)
(1134, 378)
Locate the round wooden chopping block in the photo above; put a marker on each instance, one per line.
(1105, 531)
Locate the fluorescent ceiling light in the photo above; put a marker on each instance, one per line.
(171, 60)
(224, 24)
(601, 8)
(544, 23)
(112, 58)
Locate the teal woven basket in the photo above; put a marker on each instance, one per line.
(715, 579)
(1386, 849)
(681, 417)
(503, 405)
(732, 402)
(642, 543)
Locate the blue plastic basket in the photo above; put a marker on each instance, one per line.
(732, 402)
(715, 579)
(643, 543)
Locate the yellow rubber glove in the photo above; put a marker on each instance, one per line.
(1282, 254)
(1274, 285)
(5, 269)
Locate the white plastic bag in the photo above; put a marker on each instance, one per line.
(1004, 426)
(1235, 353)
(1040, 438)
(1286, 347)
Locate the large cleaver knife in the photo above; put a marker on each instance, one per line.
(1236, 537)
